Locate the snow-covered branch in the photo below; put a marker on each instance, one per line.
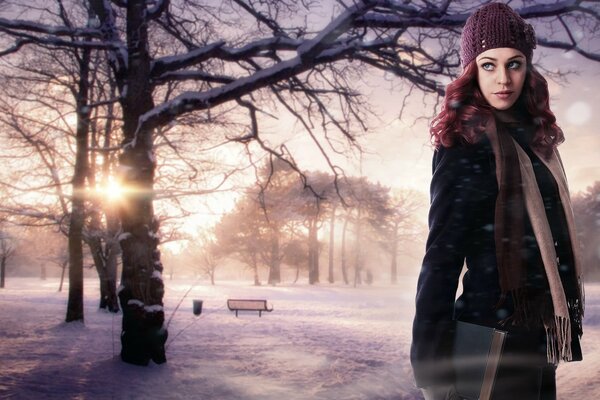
(16, 25)
(193, 101)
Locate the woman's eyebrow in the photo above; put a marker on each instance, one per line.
(494, 59)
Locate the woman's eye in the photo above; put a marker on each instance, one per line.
(514, 65)
(487, 66)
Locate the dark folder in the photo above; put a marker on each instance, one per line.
(477, 353)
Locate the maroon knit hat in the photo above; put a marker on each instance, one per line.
(492, 26)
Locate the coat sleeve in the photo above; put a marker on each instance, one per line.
(455, 191)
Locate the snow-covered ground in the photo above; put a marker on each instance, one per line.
(321, 342)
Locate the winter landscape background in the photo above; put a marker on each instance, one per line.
(70, 122)
(323, 342)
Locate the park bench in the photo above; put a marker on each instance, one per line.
(248, 305)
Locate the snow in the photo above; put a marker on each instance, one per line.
(153, 308)
(320, 342)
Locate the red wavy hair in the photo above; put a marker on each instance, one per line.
(465, 111)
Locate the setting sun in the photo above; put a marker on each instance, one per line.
(112, 191)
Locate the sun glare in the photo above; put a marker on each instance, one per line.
(112, 191)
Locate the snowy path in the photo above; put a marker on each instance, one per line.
(324, 342)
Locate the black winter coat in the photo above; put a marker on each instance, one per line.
(461, 230)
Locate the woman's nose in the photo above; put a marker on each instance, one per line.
(503, 77)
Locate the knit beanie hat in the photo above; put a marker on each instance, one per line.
(492, 26)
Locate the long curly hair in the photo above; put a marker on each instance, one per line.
(465, 111)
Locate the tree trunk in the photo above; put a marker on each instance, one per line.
(143, 333)
(111, 262)
(2, 271)
(43, 272)
(358, 255)
(330, 277)
(75, 240)
(75, 301)
(275, 262)
(313, 253)
(344, 267)
(95, 246)
(105, 263)
(105, 260)
(62, 275)
(255, 271)
(394, 266)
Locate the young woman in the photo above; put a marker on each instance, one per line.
(500, 202)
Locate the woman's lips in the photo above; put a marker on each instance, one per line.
(504, 94)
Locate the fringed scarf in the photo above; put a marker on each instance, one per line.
(519, 197)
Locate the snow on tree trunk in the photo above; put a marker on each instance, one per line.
(141, 293)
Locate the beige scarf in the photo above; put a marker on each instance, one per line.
(558, 326)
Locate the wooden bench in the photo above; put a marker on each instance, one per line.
(248, 305)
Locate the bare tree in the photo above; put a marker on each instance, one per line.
(241, 234)
(399, 225)
(211, 255)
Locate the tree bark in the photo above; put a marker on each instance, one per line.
(143, 333)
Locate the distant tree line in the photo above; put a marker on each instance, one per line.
(280, 221)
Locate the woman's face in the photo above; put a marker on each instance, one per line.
(500, 75)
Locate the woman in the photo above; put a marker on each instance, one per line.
(499, 201)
